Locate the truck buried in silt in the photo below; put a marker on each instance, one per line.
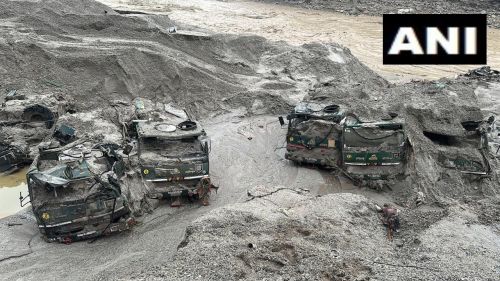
(173, 154)
(75, 192)
(368, 152)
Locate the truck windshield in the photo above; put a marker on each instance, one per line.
(171, 148)
(311, 127)
(372, 137)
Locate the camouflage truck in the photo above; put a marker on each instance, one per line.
(314, 134)
(373, 150)
(75, 194)
(173, 155)
(328, 136)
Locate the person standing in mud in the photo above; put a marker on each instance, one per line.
(390, 218)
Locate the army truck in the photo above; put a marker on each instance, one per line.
(373, 150)
(173, 155)
(74, 191)
(328, 136)
(314, 134)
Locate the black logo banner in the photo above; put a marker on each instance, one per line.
(434, 39)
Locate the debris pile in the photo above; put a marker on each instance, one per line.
(484, 73)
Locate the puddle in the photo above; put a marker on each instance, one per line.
(10, 186)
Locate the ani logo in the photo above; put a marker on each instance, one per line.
(435, 39)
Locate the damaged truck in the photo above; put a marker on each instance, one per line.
(367, 152)
(75, 193)
(465, 151)
(172, 154)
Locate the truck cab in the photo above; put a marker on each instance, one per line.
(373, 150)
(327, 136)
(314, 134)
(173, 155)
(75, 194)
(12, 158)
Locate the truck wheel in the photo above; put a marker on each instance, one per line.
(39, 113)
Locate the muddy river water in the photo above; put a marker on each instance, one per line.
(10, 186)
(361, 34)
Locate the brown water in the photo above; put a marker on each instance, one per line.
(10, 186)
(361, 34)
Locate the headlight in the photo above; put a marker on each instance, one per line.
(45, 216)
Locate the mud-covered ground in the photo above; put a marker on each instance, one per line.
(270, 219)
(379, 7)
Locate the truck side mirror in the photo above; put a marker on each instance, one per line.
(282, 122)
(22, 199)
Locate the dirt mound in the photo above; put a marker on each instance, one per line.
(96, 54)
(292, 235)
(287, 234)
(61, 7)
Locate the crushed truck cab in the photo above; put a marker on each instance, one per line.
(75, 193)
